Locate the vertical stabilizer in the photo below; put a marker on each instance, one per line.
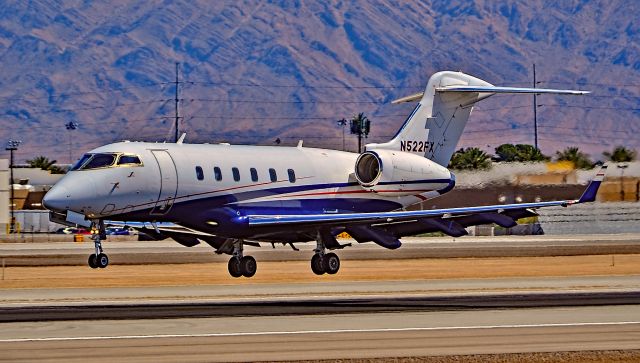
(436, 124)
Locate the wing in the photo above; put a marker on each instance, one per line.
(384, 228)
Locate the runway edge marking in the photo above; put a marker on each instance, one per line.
(300, 332)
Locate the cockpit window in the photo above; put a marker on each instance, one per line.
(129, 160)
(104, 160)
(99, 161)
(80, 162)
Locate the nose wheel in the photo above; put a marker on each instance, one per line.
(240, 265)
(98, 259)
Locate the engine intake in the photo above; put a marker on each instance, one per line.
(368, 169)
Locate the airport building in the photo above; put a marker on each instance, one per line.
(29, 187)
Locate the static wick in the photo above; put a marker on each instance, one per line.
(613, 260)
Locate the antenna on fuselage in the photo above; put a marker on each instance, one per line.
(181, 139)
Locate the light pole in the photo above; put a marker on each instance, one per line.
(12, 146)
(342, 123)
(360, 125)
(70, 126)
(622, 167)
(535, 110)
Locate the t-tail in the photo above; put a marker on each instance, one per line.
(435, 125)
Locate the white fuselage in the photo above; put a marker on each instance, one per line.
(206, 186)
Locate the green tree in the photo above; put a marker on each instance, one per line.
(470, 159)
(44, 163)
(620, 154)
(519, 152)
(579, 159)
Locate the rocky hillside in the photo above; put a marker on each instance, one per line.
(257, 71)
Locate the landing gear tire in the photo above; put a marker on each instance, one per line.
(331, 263)
(248, 266)
(93, 261)
(234, 267)
(98, 259)
(317, 264)
(102, 260)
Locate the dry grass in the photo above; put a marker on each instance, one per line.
(299, 271)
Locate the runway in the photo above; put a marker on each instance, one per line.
(374, 308)
(343, 336)
(121, 252)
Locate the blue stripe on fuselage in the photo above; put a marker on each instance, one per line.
(231, 203)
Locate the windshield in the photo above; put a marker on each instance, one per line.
(80, 162)
(94, 161)
(103, 160)
(99, 161)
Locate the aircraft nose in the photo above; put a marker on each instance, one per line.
(57, 198)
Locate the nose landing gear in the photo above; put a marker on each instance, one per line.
(98, 259)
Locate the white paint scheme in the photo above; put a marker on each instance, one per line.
(314, 195)
(439, 117)
(138, 188)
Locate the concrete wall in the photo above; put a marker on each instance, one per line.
(36, 176)
(35, 221)
(591, 218)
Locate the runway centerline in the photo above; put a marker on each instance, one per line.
(328, 331)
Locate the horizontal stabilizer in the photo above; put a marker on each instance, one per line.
(493, 89)
(484, 89)
(411, 98)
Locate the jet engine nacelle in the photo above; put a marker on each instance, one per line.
(398, 173)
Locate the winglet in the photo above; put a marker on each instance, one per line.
(589, 194)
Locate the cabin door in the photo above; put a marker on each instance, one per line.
(168, 182)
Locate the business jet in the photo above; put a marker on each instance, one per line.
(229, 196)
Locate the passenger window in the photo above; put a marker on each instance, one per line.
(236, 174)
(273, 175)
(199, 173)
(254, 174)
(129, 160)
(292, 175)
(217, 173)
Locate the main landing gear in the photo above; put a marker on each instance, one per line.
(240, 265)
(323, 262)
(98, 259)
